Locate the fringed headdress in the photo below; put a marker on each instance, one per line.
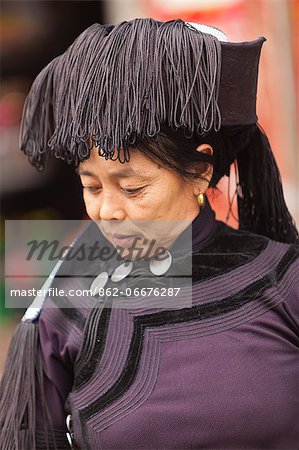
(115, 86)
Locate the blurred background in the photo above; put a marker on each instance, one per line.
(34, 32)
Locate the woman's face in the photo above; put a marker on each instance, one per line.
(138, 198)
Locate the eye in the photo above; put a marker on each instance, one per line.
(129, 191)
(92, 189)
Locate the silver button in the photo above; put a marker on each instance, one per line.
(158, 267)
(99, 282)
(122, 272)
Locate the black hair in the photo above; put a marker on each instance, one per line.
(261, 204)
(176, 150)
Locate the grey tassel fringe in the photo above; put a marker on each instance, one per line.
(21, 380)
(114, 86)
(261, 204)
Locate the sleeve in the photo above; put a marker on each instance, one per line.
(57, 363)
(37, 379)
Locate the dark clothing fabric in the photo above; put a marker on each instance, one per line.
(222, 373)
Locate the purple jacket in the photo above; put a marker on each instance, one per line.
(222, 373)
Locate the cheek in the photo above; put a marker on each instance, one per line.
(92, 207)
(145, 206)
(156, 201)
(176, 199)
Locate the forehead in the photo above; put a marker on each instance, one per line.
(138, 165)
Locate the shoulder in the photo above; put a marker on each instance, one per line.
(242, 264)
(248, 257)
(230, 250)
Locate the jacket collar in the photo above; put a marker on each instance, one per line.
(204, 225)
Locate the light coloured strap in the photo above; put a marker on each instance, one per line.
(209, 30)
(33, 311)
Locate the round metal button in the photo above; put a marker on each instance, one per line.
(160, 267)
(122, 272)
(99, 282)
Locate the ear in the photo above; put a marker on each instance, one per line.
(205, 170)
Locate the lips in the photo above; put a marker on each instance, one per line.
(124, 240)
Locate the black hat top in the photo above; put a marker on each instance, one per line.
(116, 85)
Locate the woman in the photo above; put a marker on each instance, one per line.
(198, 348)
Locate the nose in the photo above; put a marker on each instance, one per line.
(110, 208)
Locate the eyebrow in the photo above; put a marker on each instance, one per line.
(117, 173)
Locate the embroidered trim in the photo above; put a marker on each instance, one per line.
(195, 314)
(83, 372)
(202, 290)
